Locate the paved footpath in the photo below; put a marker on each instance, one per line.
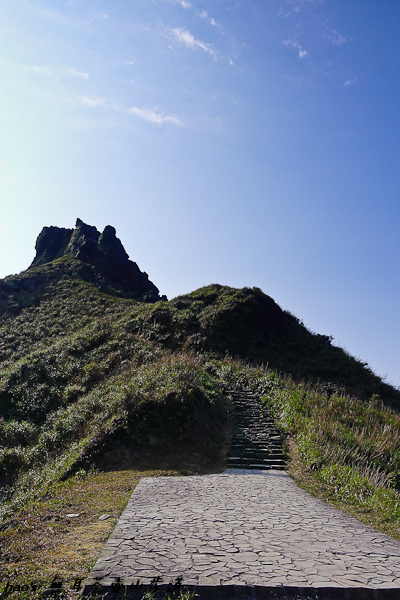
(243, 528)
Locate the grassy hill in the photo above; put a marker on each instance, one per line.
(76, 381)
(93, 381)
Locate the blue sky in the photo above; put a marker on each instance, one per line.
(241, 142)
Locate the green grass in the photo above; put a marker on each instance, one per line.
(85, 374)
(344, 450)
(169, 402)
(93, 380)
(44, 544)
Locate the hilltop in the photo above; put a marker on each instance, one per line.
(98, 371)
(104, 252)
(82, 323)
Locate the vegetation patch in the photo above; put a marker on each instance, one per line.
(60, 535)
(341, 449)
(97, 388)
(167, 407)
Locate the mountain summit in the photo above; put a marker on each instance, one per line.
(94, 372)
(104, 251)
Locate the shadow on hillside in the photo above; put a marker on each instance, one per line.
(183, 460)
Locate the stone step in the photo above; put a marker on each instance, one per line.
(248, 432)
(255, 459)
(256, 430)
(265, 435)
(266, 467)
(246, 402)
(257, 421)
(257, 443)
(264, 441)
(257, 425)
(260, 450)
(253, 441)
(244, 438)
(255, 465)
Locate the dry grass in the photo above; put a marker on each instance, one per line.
(309, 482)
(46, 543)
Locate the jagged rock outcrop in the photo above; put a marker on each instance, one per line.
(104, 251)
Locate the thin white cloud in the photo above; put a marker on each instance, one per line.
(336, 38)
(78, 73)
(152, 116)
(68, 18)
(90, 102)
(183, 36)
(59, 71)
(53, 15)
(350, 82)
(298, 5)
(39, 70)
(302, 52)
(183, 3)
(204, 15)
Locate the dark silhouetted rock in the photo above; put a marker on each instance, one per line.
(104, 251)
(51, 243)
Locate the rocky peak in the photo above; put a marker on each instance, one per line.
(104, 251)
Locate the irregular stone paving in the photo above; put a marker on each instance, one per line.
(243, 528)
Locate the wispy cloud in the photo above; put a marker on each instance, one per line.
(90, 102)
(78, 73)
(336, 38)
(204, 15)
(69, 18)
(152, 116)
(183, 36)
(302, 52)
(296, 6)
(349, 82)
(183, 3)
(53, 15)
(38, 70)
(54, 72)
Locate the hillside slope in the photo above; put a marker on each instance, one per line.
(89, 375)
(103, 251)
(248, 324)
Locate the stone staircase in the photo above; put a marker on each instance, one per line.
(256, 443)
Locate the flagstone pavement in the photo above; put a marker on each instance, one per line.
(247, 529)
